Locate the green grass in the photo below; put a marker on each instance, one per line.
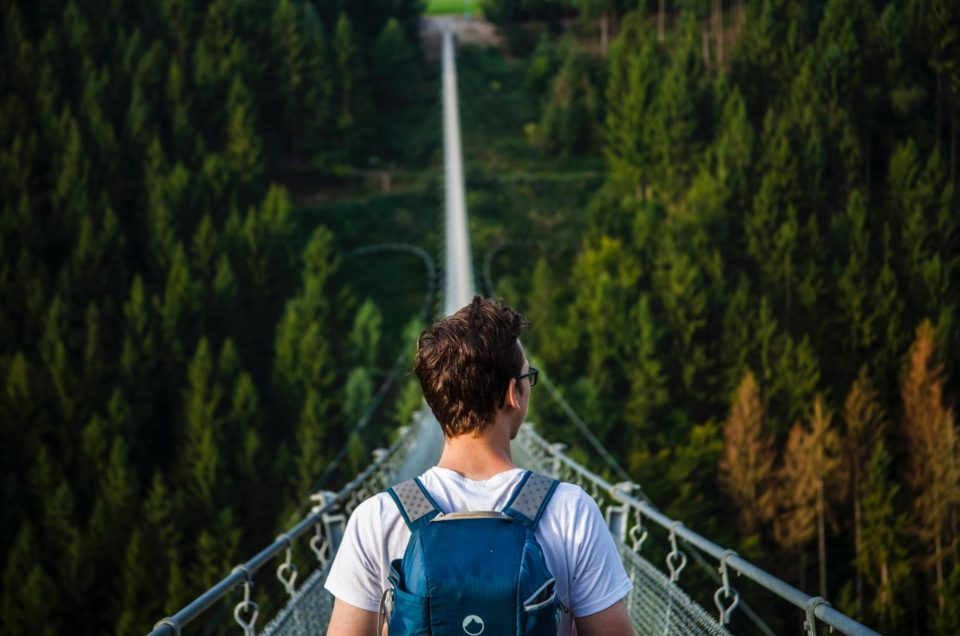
(453, 7)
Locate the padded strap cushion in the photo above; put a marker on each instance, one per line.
(530, 498)
(414, 503)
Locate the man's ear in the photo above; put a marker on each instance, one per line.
(513, 399)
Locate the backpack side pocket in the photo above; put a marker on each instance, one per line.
(411, 614)
(539, 614)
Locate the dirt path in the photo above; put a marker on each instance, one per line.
(472, 30)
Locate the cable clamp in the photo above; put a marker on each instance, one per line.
(810, 624)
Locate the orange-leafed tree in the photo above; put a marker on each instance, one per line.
(746, 468)
(933, 473)
(812, 478)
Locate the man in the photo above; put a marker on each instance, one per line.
(477, 379)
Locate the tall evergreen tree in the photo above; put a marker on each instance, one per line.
(865, 423)
(882, 559)
(353, 110)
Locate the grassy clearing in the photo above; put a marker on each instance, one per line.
(515, 192)
(453, 7)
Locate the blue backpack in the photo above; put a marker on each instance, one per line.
(472, 572)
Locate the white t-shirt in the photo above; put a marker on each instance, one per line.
(576, 543)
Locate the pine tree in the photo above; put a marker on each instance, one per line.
(681, 288)
(394, 74)
(303, 348)
(201, 459)
(634, 69)
(53, 351)
(572, 112)
(133, 589)
(933, 471)
(161, 550)
(853, 285)
(178, 105)
(864, 418)
(746, 467)
(882, 559)
(30, 600)
(181, 302)
(674, 134)
(364, 338)
(312, 433)
(353, 103)
(649, 392)
(796, 523)
(243, 151)
(357, 395)
(289, 61)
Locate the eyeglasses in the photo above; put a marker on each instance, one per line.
(532, 374)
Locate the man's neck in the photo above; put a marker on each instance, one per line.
(478, 457)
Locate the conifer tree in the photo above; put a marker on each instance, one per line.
(357, 395)
(243, 151)
(864, 418)
(634, 69)
(681, 288)
(29, 603)
(161, 531)
(313, 455)
(933, 471)
(572, 112)
(649, 392)
(364, 338)
(882, 559)
(53, 350)
(180, 304)
(201, 460)
(674, 131)
(133, 589)
(746, 467)
(302, 345)
(394, 67)
(353, 97)
(289, 60)
(796, 522)
(178, 105)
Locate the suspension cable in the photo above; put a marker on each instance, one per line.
(391, 377)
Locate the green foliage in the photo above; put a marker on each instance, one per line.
(146, 247)
(786, 213)
(883, 559)
(572, 111)
(353, 101)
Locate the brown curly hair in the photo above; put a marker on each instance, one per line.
(465, 363)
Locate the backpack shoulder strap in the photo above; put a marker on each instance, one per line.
(415, 503)
(530, 498)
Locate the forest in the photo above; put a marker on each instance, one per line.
(760, 318)
(733, 225)
(178, 347)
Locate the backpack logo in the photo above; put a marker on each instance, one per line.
(473, 625)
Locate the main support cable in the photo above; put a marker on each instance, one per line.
(458, 271)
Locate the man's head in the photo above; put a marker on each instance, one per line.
(467, 362)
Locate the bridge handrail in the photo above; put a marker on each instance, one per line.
(242, 573)
(622, 493)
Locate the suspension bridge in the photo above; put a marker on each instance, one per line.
(658, 603)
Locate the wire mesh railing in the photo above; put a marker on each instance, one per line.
(657, 604)
(308, 609)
